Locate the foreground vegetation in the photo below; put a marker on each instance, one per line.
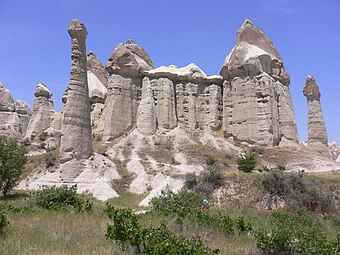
(58, 221)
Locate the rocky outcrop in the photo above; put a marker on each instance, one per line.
(186, 97)
(76, 135)
(125, 67)
(146, 117)
(42, 111)
(257, 105)
(24, 114)
(317, 134)
(10, 124)
(96, 67)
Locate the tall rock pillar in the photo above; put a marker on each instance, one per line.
(76, 140)
(317, 134)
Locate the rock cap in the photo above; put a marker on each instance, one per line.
(21, 107)
(77, 29)
(129, 58)
(42, 91)
(190, 72)
(6, 100)
(311, 89)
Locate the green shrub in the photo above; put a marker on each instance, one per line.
(210, 160)
(213, 175)
(246, 163)
(190, 180)
(3, 222)
(12, 162)
(127, 232)
(56, 198)
(297, 233)
(50, 159)
(187, 205)
(43, 136)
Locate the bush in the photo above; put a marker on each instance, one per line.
(210, 160)
(297, 233)
(297, 193)
(213, 175)
(12, 162)
(43, 136)
(190, 180)
(50, 159)
(204, 189)
(246, 163)
(56, 198)
(127, 232)
(187, 205)
(3, 222)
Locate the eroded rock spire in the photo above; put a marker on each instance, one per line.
(76, 139)
(317, 134)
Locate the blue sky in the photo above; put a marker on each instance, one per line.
(35, 45)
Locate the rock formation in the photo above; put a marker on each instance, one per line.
(76, 139)
(125, 67)
(97, 82)
(317, 134)
(186, 97)
(10, 124)
(257, 105)
(14, 116)
(42, 112)
(24, 114)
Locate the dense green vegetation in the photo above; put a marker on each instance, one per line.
(246, 163)
(12, 162)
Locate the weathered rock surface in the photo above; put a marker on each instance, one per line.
(146, 117)
(76, 139)
(317, 134)
(129, 59)
(14, 116)
(96, 67)
(257, 105)
(186, 97)
(97, 91)
(42, 111)
(6, 100)
(125, 67)
(24, 114)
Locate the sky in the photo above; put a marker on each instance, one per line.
(35, 46)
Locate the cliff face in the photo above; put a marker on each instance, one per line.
(257, 102)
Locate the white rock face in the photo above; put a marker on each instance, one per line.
(42, 112)
(146, 117)
(257, 105)
(120, 111)
(97, 91)
(317, 134)
(76, 134)
(14, 116)
(125, 67)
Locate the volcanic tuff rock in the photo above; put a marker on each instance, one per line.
(24, 114)
(125, 66)
(317, 134)
(10, 123)
(96, 67)
(257, 105)
(76, 139)
(42, 112)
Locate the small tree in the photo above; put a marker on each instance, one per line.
(12, 162)
(246, 163)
